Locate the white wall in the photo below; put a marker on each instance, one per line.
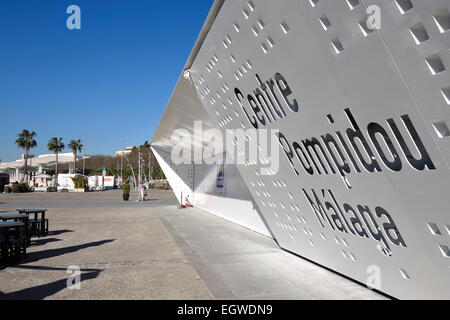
(65, 182)
(180, 176)
(232, 202)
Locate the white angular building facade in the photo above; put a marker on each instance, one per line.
(361, 109)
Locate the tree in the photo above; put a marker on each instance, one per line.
(25, 140)
(56, 145)
(75, 146)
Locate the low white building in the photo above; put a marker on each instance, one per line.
(36, 165)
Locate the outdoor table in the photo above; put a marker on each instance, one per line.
(42, 227)
(5, 230)
(10, 224)
(19, 217)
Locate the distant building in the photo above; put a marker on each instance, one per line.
(36, 165)
(123, 152)
(30, 156)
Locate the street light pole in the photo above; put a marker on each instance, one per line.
(139, 161)
(84, 157)
(132, 171)
(121, 160)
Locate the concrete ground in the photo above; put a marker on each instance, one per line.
(152, 250)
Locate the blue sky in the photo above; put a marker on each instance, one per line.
(112, 78)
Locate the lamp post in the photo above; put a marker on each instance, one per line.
(121, 160)
(149, 166)
(84, 157)
(139, 162)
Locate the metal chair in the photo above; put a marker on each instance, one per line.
(16, 243)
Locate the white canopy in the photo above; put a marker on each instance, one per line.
(41, 160)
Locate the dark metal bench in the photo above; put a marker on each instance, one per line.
(18, 217)
(38, 226)
(12, 241)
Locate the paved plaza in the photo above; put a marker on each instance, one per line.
(153, 250)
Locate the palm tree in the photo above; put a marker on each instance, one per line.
(56, 145)
(75, 146)
(25, 140)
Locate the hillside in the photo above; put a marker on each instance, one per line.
(95, 163)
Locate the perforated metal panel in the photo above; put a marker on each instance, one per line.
(180, 176)
(233, 200)
(392, 83)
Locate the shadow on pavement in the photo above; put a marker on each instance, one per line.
(50, 268)
(42, 241)
(45, 290)
(50, 253)
(45, 254)
(57, 232)
(42, 291)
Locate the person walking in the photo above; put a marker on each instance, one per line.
(142, 192)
